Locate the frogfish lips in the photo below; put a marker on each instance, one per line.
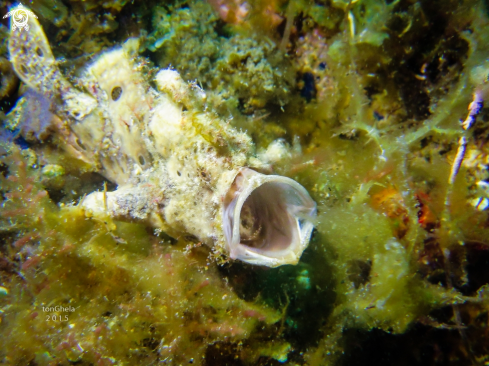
(268, 219)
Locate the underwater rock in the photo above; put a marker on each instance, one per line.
(177, 167)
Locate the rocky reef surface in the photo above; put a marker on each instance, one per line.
(361, 102)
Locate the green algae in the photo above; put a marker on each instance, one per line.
(374, 147)
(120, 280)
(239, 74)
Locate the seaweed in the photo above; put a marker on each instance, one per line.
(366, 98)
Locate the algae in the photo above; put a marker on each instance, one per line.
(240, 74)
(366, 97)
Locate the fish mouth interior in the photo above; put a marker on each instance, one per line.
(268, 220)
(264, 221)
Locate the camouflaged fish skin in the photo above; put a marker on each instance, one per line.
(177, 167)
